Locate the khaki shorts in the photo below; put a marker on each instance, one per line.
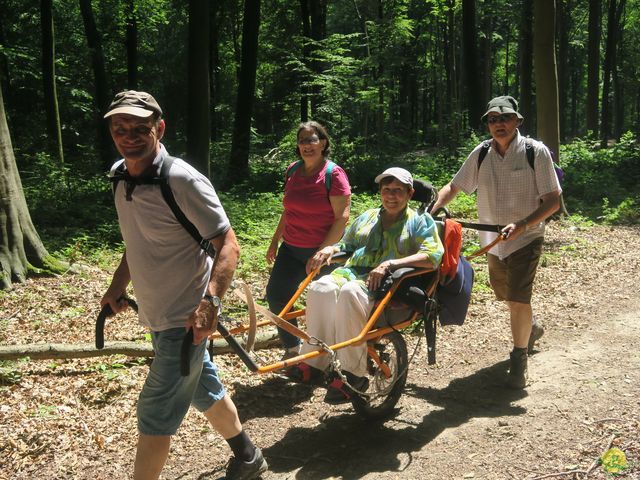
(512, 278)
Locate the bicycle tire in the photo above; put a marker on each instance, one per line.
(383, 393)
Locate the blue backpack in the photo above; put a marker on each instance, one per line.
(327, 172)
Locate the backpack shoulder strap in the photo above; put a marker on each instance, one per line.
(292, 168)
(483, 152)
(167, 194)
(530, 151)
(116, 176)
(327, 175)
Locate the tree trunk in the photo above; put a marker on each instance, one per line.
(241, 141)
(564, 27)
(618, 83)
(198, 128)
(101, 94)
(54, 132)
(306, 53)
(131, 44)
(593, 61)
(610, 64)
(470, 64)
(214, 65)
(526, 68)
(544, 54)
(46, 351)
(318, 23)
(21, 250)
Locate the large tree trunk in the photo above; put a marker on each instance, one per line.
(470, 64)
(241, 141)
(131, 44)
(54, 132)
(101, 93)
(544, 54)
(198, 132)
(593, 61)
(526, 68)
(21, 250)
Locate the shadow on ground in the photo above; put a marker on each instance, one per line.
(347, 446)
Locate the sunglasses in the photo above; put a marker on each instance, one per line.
(502, 118)
(312, 140)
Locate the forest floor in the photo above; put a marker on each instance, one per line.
(75, 419)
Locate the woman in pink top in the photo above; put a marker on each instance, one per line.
(316, 209)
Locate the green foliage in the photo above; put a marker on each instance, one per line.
(603, 182)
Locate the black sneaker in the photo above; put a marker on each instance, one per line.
(239, 470)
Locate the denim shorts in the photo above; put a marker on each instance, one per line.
(166, 395)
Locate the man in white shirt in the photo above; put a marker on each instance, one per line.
(521, 196)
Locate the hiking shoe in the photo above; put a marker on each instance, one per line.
(537, 331)
(338, 392)
(517, 377)
(304, 373)
(239, 470)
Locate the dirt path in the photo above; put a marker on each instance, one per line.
(76, 419)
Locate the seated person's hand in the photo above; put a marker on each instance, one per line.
(377, 275)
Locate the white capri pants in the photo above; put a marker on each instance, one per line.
(334, 314)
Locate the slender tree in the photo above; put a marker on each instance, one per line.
(306, 53)
(470, 64)
(241, 141)
(593, 65)
(198, 128)
(131, 44)
(54, 132)
(526, 66)
(21, 250)
(610, 65)
(101, 90)
(215, 12)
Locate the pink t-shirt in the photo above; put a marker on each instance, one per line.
(307, 210)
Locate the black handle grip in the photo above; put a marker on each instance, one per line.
(233, 343)
(107, 311)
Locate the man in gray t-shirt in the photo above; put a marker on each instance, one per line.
(521, 196)
(177, 286)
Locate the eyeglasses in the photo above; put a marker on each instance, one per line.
(312, 140)
(502, 118)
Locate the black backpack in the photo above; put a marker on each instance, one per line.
(120, 174)
(531, 156)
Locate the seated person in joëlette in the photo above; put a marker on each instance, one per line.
(338, 304)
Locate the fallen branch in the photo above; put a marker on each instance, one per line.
(46, 351)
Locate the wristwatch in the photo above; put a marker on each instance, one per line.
(214, 300)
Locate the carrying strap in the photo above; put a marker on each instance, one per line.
(528, 148)
(327, 172)
(162, 179)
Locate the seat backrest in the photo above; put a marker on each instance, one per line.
(440, 227)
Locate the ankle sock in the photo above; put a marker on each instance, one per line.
(242, 447)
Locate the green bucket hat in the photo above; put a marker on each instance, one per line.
(503, 104)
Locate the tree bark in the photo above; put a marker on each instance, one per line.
(526, 68)
(21, 250)
(131, 44)
(470, 64)
(593, 62)
(563, 28)
(241, 141)
(54, 132)
(610, 64)
(198, 127)
(101, 93)
(544, 53)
